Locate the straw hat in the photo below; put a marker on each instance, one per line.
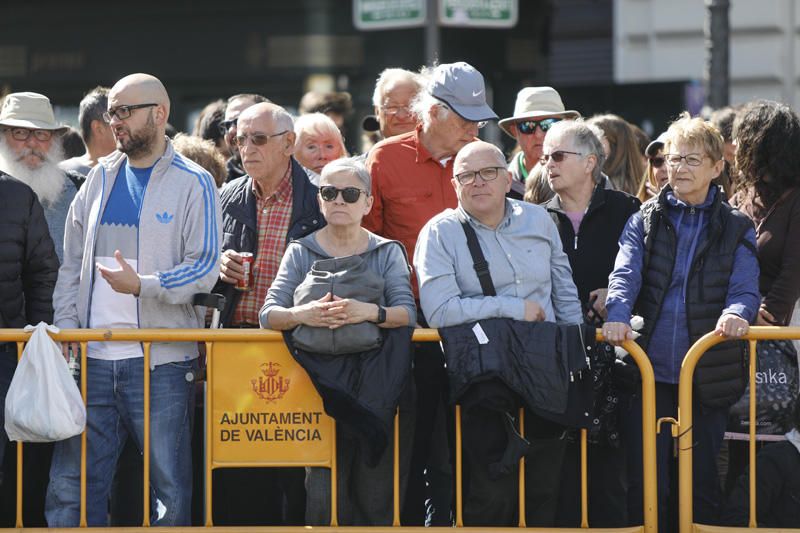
(534, 103)
(29, 110)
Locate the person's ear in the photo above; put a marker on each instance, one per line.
(289, 139)
(718, 166)
(368, 206)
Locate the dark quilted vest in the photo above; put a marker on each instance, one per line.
(720, 375)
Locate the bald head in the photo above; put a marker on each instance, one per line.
(139, 89)
(273, 113)
(478, 151)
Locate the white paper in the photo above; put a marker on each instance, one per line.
(480, 334)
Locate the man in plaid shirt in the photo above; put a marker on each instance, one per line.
(261, 212)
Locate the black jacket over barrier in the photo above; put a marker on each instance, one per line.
(28, 261)
(719, 379)
(240, 223)
(362, 389)
(542, 362)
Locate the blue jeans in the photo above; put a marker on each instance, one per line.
(115, 409)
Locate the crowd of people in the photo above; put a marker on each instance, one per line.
(516, 258)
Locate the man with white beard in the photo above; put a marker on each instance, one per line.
(30, 150)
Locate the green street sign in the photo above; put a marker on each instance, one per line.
(479, 13)
(388, 14)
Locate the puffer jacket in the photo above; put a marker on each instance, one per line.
(28, 261)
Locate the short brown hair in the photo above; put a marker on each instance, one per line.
(697, 132)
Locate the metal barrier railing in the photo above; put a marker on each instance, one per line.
(682, 428)
(210, 337)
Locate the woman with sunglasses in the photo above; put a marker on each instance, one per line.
(655, 172)
(365, 490)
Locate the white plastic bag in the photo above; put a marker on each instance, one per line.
(43, 404)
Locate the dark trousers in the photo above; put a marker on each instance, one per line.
(429, 495)
(607, 486)
(708, 431)
(493, 500)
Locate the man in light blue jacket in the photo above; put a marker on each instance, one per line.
(142, 237)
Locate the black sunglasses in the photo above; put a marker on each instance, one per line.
(528, 127)
(349, 194)
(656, 162)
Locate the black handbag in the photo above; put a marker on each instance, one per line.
(567, 401)
(345, 277)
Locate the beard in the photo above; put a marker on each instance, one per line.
(139, 143)
(47, 181)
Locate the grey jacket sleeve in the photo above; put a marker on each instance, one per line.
(397, 288)
(202, 235)
(294, 267)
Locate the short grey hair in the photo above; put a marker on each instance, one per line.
(391, 76)
(588, 139)
(350, 165)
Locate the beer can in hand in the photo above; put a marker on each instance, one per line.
(247, 264)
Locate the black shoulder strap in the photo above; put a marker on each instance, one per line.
(479, 262)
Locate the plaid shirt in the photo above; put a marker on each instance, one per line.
(273, 214)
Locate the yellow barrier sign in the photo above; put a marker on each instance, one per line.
(265, 410)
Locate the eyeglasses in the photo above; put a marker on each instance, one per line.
(258, 139)
(464, 123)
(486, 174)
(693, 160)
(393, 110)
(528, 127)
(124, 111)
(226, 125)
(557, 156)
(349, 194)
(22, 134)
(656, 162)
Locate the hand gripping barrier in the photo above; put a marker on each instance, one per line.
(275, 370)
(682, 428)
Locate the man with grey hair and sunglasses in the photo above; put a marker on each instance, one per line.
(411, 176)
(30, 150)
(262, 211)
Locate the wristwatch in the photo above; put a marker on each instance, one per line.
(381, 315)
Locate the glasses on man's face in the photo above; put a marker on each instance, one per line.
(464, 123)
(393, 110)
(656, 162)
(486, 174)
(528, 127)
(124, 111)
(22, 134)
(693, 160)
(226, 125)
(258, 139)
(557, 156)
(349, 194)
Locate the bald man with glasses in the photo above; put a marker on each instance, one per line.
(272, 204)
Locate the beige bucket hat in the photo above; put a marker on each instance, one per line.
(537, 102)
(29, 110)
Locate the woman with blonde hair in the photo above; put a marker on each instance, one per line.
(318, 143)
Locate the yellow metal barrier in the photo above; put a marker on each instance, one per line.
(683, 427)
(231, 343)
